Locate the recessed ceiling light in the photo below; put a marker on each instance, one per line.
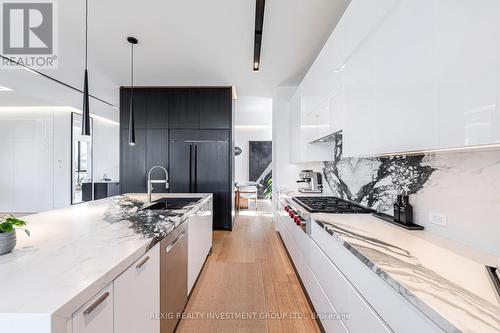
(5, 89)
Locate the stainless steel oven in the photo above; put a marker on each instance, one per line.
(297, 214)
(300, 208)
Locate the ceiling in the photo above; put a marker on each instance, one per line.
(186, 43)
(253, 111)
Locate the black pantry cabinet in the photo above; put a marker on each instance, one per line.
(189, 131)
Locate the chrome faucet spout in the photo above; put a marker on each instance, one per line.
(149, 183)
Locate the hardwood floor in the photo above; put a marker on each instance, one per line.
(248, 284)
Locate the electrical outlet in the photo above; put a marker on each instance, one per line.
(438, 219)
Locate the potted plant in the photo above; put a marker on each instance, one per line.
(268, 192)
(8, 226)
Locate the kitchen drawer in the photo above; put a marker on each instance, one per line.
(297, 245)
(96, 316)
(302, 242)
(343, 296)
(329, 316)
(395, 310)
(289, 243)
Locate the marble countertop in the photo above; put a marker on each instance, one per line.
(445, 280)
(74, 252)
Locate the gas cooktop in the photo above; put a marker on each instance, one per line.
(332, 205)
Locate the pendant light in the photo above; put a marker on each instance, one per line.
(131, 122)
(85, 109)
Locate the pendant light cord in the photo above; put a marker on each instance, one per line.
(132, 70)
(86, 32)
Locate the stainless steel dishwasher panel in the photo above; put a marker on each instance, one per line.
(173, 277)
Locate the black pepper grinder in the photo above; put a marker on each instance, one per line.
(406, 211)
(397, 207)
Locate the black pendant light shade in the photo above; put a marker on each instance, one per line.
(85, 108)
(131, 121)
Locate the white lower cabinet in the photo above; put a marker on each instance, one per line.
(199, 241)
(137, 295)
(96, 316)
(328, 315)
(396, 311)
(347, 296)
(360, 317)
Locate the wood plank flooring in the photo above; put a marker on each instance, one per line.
(248, 284)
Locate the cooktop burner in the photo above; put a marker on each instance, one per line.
(332, 205)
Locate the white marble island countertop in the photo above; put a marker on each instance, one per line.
(445, 280)
(74, 252)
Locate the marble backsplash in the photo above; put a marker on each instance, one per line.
(462, 186)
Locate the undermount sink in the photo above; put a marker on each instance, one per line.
(171, 203)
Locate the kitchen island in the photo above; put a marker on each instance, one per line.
(76, 252)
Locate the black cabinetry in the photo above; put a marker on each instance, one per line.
(200, 163)
(133, 162)
(189, 132)
(105, 190)
(214, 105)
(184, 107)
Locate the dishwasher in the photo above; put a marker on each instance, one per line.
(173, 277)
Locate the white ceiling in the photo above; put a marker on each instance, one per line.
(254, 111)
(191, 43)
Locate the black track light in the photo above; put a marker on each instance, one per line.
(260, 6)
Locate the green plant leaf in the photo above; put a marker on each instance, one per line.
(9, 223)
(6, 227)
(15, 222)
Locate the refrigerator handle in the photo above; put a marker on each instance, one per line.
(190, 168)
(195, 168)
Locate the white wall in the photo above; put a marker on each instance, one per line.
(35, 157)
(253, 120)
(106, 149)
(34, 161)
(243, 136)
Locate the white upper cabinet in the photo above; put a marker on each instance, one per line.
(391, 93)
(406, 75)
(307, 125)
(467, 49)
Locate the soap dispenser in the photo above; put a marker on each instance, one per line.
(406, 211)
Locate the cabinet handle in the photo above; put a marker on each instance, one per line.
(190, 168)
(96, 303)
(174, 243)
(195, 168)
(143, 261)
